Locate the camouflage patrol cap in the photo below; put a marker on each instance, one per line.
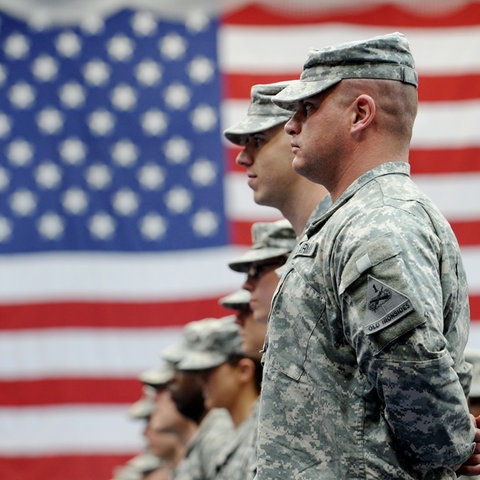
(190, 336)
(157, 376)
(269, 240)
(145, 405)
(145, 462)
(262, 113)
(473, 356)
(218, 341)
(127, 472)
(386, 57)
(238, 300)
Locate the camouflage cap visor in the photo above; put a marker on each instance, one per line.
(251, 124)
(197, 360)
(300, 90)
(242, 263)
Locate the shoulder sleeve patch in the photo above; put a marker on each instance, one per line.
(385, 306)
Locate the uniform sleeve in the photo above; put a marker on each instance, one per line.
(391, 295)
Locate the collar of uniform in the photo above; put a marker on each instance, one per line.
(322, 207)
(402, 168)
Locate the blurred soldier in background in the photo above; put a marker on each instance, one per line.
(214, 426)
(231, 380)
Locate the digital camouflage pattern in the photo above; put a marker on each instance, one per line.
(199, 462)
(217, 342)
(269, 240)
(237, 461)
(191, 333)
(384, 57)
(262, 114)
(364, 371)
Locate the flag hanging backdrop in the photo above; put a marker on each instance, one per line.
(120, 204)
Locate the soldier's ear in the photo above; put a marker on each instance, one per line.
(364, 110)
(246, 369)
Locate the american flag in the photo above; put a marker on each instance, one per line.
(121, 204)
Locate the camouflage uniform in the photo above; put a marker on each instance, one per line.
(216, 427)
(237, 461)
(365, 344)
(199, 462)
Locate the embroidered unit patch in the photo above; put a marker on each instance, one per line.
(385, 305)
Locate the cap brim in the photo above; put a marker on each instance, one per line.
(158, 375)
(298, 90)
(194, 361)
(242, 263)
(251, 124)
(142, 408)
(174, 353)
(237, 300)
(127, 473)
(145, 462)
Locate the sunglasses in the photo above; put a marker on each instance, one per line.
(256, 270)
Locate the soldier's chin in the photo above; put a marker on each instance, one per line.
(298, 166)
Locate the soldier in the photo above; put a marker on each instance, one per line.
(267, 159)
(166, 431)
(214, 426)
(272, 242)
(231, 380)
(142, 410)
(252, 332)
(364, 373)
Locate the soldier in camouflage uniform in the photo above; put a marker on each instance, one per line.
(153, 381)
(364, 373)
(231, 380)
(241, 450)
(272, 242)
(253, 333)
(267, 158)
(215, 426)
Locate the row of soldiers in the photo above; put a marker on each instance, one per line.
(200, 405)
(364, 370)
